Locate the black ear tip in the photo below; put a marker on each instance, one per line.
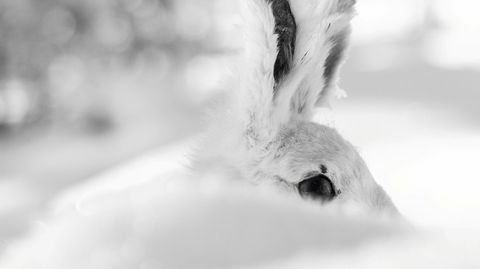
(286, 29)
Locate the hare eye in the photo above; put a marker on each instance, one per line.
(318, 187)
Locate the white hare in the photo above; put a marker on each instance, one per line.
(265, 132)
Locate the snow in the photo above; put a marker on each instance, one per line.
(177, 222)
(424, 156)
(149, 212)
(190, 224)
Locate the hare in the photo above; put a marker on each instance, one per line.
(264, 133)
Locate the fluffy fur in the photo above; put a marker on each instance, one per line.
(265, 132)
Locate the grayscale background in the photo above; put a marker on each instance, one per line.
(90, 85)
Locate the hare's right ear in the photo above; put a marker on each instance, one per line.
(322, 39)
(269, 45)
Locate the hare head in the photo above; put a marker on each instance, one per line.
(265, 133)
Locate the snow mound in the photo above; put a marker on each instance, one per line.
(182, 223)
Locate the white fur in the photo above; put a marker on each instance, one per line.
(318, 22)
(264, 132)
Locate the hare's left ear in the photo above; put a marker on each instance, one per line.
(269, 33)
(322, 39)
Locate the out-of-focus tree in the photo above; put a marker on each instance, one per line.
(48, 47)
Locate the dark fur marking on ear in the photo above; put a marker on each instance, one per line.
(286, 29)
(335, 57)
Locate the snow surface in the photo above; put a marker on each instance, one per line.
(191, 225)
(150, 213)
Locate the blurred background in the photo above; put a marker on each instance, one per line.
(87, 85)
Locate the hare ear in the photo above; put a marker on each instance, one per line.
(322, 39)
(269, 37)
(286, 30)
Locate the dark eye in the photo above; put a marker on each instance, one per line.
(318, 187)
